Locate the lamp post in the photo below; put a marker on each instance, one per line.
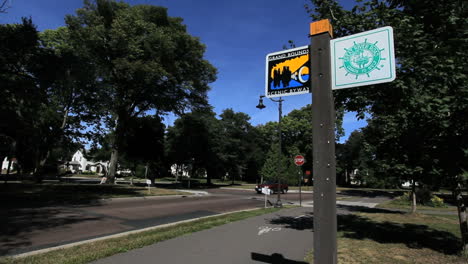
(280, 108)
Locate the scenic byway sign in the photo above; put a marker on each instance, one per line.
(363, 59)
(287, 72)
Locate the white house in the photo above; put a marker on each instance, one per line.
(5, 164)
(79, 164)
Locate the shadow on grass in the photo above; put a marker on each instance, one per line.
(363, 209)
(371, 193)
(359, 227)
(412, 235)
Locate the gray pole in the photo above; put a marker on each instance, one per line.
(280, 108)
(323, 140)
(300, 187)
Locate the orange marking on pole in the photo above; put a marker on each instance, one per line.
(320, 27)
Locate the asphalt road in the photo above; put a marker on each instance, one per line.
(30, 229)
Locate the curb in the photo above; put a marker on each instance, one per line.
(253, 190)
(45, 250)
(155, 197)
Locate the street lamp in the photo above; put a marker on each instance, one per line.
(280, 106)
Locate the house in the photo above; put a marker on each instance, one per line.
(6, 162)
(80, 164)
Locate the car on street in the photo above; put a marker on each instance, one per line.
(273, 186)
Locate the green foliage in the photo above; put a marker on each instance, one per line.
(145, 60)
(274, 164)
(416, 122)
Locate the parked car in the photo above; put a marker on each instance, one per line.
(273, 186)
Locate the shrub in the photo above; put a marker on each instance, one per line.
(436, 201)
(423, 195)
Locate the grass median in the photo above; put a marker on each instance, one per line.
(104, 248)
(398, 238)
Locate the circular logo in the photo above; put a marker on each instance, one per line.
(361, 58)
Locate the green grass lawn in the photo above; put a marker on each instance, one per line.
(22, 195)
(100, 249)
(397, 238)
(401, 203)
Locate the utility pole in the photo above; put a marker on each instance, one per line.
(323, 140)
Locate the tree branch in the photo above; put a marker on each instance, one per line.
(4, 6)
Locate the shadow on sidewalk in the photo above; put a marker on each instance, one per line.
(275, 258)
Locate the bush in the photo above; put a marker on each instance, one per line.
(423, 195)
(436, 202)
(88, 173)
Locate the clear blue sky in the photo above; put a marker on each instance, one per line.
(238, 35)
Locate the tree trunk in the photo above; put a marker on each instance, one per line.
(462, 218)
(346, 177)
(209, 172)
(413, 196)
(113, 164)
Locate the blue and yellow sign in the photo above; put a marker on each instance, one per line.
(287, 72)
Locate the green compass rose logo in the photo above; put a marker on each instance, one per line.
(362, 58)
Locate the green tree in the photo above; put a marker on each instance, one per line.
(146, 61)
(417, 121)
(144, 145)
(33, 120)
(195, 142)
(284, 165)
(238, 141)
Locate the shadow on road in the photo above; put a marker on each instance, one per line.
(305, 222)
(16, 225)
(275, 258)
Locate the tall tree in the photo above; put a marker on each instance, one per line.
(195, 141)
(30, 75)
(237, 142)
(419, 118)
(144, 144)
(146, 61)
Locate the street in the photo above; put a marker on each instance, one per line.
(30, 229)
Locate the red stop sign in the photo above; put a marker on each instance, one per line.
(299, 160)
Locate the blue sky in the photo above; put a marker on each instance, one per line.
(238, 35)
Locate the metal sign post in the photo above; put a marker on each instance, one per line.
(323, 140)
(299, 161)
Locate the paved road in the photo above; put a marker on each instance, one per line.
(282, 237)
(31, 229)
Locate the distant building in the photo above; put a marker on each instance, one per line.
(5, 164)
(80, 164)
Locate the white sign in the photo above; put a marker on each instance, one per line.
(266, 191)
(363, 59)
(148, 182)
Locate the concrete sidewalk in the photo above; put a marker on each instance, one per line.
(282, 237)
